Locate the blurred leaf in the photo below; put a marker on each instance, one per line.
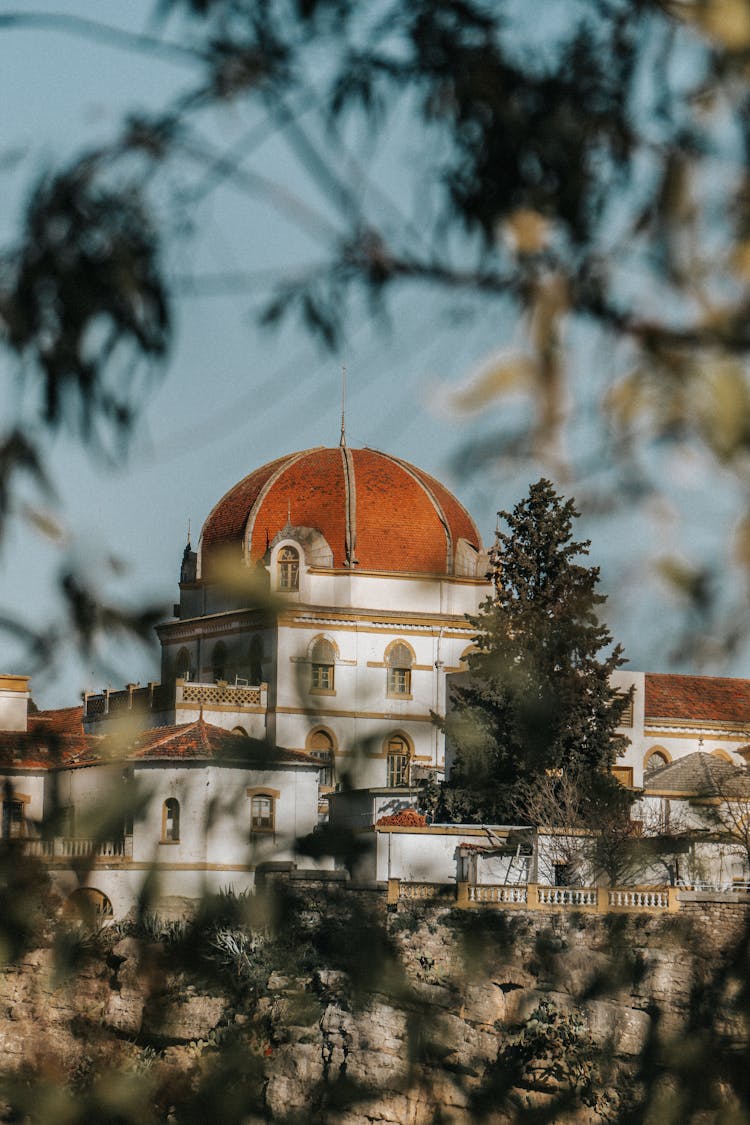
(527, 231)
(494, 380)
(45, 523)
(628, 399)
(725, 408)
(742, 542)
(689, 582)
(727, 21)
(84, 281)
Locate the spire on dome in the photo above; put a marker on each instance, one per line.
(342, 442)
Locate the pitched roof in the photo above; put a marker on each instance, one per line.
(200, 740)
(62, 720)
(701, 698)
(43, 748)
(700, 774)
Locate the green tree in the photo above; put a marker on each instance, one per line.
(539, 696)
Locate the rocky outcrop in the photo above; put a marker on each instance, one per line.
(452, 1001)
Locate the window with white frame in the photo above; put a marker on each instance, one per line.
(399, 757)
(399, 660)
(322, 665)
(262, 812)
(288, 568)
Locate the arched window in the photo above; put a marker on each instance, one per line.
(182, 665)
(399, 660)
(288, 565)
(86, 904)
(654, 760)
(219, 661)
(399, 756)
(255, 660)
(320, 746)
(323, 662)
(170, 821)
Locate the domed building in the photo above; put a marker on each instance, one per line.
(322, 610)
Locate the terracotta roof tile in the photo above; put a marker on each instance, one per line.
(63, 720)
(201, 740)
(44, 748)
(702, 698)
(405, 521)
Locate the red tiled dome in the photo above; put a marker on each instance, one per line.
(374, 510)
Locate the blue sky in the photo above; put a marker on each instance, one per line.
(233, 396)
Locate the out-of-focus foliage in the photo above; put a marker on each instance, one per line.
(583, 166)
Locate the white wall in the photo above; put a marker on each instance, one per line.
(428, 855)
(26, 783)
(215, 813)
(14, 702)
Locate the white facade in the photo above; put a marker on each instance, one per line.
(708, 715)
(14, 702)
(359, 712)
(184, 815)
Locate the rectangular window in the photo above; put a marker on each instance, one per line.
(261, 813)
(13, 820)
(399, 681)
(322, 677)
(563, 874)
(398, 770)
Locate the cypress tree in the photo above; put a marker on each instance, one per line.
(538, 697)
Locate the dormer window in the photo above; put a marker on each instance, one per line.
(288, 569)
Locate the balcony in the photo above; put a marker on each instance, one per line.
(180, 696)
(239, 696)
(153, 697)
(58, 849)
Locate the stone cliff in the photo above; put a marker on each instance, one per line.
(368, 1016)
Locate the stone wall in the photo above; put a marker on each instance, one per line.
(415, 1023)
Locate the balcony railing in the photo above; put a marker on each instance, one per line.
(182, 694)
(153, 697)
(536, 896)
(221, 694)
(76, 847)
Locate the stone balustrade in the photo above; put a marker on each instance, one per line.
(567, 896)
(76, 847)
(504, 894)
(425, 891)
(535, 896)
